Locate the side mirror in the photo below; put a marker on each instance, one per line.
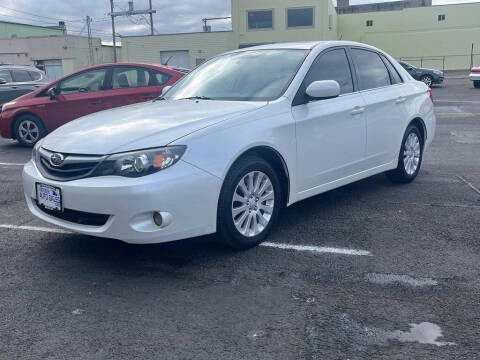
(52, 92)
(325, 89)
(2, 81)
(165, 89)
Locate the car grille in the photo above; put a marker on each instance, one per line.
(77, 217)
(71, 168)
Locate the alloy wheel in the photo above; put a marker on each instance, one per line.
(28, 131)
(411, 154)
(253, 203)
(427, 80)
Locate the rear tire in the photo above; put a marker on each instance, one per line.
(427, 79)
(29, 129)
(476, 84)
(410, 157)
(249, 203)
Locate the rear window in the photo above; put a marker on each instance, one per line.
(21, 76)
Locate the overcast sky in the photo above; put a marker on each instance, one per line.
(172, 15)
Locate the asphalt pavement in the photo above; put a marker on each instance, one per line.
(385, 272)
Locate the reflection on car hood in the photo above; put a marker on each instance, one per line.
(141, 126)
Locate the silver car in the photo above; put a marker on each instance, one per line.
(18, 80)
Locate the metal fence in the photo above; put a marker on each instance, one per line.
(445, 62)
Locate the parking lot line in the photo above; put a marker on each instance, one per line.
(307, 248)
(11, 164)
(317, 249)
(469, 184)
(457, 101)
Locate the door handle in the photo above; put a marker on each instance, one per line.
(14, 87)
(96, 102)
(147, 97)
(400, 99)
(357, 110)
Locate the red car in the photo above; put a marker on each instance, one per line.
(32, 116)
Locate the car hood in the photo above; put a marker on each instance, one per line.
(142, 126)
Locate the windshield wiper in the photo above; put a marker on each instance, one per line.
(197, 98)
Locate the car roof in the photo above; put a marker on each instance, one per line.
(20, 67)
(305, 45)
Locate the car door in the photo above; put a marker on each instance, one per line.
(77, 95)
(385, 111)
(23, 82)
(130, 85)
(331, 133)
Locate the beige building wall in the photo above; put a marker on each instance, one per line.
(11, 29)
(416, 32)
(323, 29)
(71, 51)
(199, 45)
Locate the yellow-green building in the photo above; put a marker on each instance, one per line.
(10, 30)
(434, 36)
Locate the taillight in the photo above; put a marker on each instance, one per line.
(430, 94)
(477, 70)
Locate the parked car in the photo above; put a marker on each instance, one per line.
(101, 87)
(475, 77)
(17, 80)
(232, 142)
(428, 76)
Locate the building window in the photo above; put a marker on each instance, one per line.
(369, 23)
(441, 17)
(260, 19)
(300, 17)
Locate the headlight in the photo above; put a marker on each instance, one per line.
(35, 149)
(7, 105)
(140, 163)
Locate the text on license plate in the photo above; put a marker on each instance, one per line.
(49, 197)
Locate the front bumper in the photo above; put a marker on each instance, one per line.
(189, 195)
(5, 125)
(438, 79)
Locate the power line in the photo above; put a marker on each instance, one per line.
(41, 16)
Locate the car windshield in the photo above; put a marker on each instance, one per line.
(253, 75)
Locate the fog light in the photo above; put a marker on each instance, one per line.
(157, 218)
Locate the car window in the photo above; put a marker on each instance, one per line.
(130, 77)
(21, 76)
(371, 70)
(5, 75)
(161, 78)
(332, 65)
(87, 81)
(395, 76)
(35, 75)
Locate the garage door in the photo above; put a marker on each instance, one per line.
(53, 69)
(180, 58)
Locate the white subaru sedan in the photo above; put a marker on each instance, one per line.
(234, 141)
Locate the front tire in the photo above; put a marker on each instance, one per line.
(410, 157)
(29, 129)
(427, 79)
(476, 84)
(249, 203)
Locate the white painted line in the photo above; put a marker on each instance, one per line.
(469, 184)
(309, 248)
(34, 228)
(317, 249)
(10, 164)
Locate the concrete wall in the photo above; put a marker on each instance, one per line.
(200, 45)
(416, 32)
(73, 51)
(280, 32)
(8, 30)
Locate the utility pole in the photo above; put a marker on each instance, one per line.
(129, 12)
(151, 17)
(90, 42)
(112, 14)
